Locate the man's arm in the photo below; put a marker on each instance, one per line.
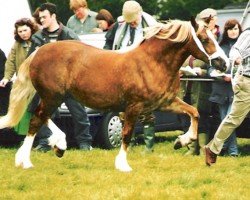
(71, 35)
(36, 41)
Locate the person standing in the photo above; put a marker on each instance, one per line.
(127, 31)
(4, 91)
(199, 91)
(239, 55)
(222, 92)
(54, 31)
(24, 29)
(84, 20)
(105, 21)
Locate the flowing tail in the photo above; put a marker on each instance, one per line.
(21, 95)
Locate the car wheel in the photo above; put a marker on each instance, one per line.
(110, 132)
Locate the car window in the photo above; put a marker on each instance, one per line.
(225, 14)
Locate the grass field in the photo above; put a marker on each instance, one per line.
(164, 174)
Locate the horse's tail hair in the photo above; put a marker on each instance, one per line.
(21, 95)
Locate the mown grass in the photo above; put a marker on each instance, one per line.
(164, 174)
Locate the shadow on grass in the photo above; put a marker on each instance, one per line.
(9, 139)
(162, 138)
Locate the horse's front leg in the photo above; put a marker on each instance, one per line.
(22, 157)
(180, 107)
(121, 162)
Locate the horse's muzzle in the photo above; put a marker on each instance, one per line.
(219, 63)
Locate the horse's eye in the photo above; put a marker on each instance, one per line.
(203, 41)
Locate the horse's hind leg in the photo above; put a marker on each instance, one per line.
(179, 106)
(121, 162)
(41, 117)
(22, 157)
(57, 140)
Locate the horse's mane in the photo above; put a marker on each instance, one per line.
(165, 31)
(169, 29)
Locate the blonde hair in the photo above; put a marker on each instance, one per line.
(75, 4)
(168, 30)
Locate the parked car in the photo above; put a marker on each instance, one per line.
(106, 127)
(236, 11)
(109, 126)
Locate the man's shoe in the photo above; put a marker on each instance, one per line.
(42, 148)
(85, 147)
(234, 155)
(210, 157)
(223, 152)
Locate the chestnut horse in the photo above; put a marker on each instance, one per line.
(137, 82)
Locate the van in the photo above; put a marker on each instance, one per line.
(241, 13)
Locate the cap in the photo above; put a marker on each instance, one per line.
(207, 13)
(131, 10)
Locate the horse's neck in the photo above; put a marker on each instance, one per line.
(130, 48)
(165, 53)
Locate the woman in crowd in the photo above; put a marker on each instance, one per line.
(222, 92)
(24, 28)
(105, 21)
(4, 92)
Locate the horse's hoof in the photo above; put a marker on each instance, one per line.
(23, 165)
(177, 144)
(59, 152)
(124, 169)
(122, 165)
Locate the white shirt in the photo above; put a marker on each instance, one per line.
(138, 36)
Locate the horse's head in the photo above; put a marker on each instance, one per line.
(208, 49)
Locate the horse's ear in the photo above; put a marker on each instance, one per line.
(194, 23)
(207, 20)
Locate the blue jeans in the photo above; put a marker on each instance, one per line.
(230, 144)
(81, 122)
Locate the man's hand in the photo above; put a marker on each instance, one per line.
(237, 61)
(198, 71)
(227, 78)
(181, 73)
(3, 82)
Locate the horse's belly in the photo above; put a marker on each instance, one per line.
(101, 101)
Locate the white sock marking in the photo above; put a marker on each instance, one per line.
(22, 158)
(121, 162)
(58, 137)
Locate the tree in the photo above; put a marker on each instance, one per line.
(161, 9)
(114, 6)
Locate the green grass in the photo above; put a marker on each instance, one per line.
(164, 174)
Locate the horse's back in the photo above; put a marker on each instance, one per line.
(63, 55)
(81, 70)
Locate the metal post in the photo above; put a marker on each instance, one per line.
(245, 13)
